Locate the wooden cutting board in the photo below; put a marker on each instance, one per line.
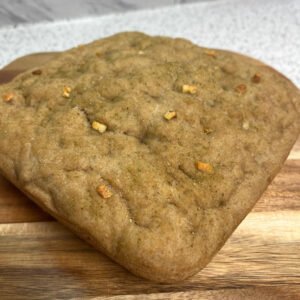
(41, 259)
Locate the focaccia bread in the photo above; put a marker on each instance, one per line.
(152, 149)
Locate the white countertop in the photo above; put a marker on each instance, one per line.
(14, 12)
(268, 30)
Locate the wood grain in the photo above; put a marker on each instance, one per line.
(16, 207)
(41, 259)
(36, 257)
(267, 293)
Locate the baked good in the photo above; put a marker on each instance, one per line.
(150, 148)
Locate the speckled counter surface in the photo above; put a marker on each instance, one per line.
(268, 30)
(31, 11)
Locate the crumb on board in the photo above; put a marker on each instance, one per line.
(256, 78)
(66, 91)
(100, 127)
(211, 53)
(204, 167)
(8, 97)
(104, 191)
(141, 52)
(241, 88)
(189, 89)
(169, 115)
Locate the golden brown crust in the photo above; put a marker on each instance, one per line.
(186, 140)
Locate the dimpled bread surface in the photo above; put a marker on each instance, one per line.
(152, 149)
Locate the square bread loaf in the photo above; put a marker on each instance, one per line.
(152, 149)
